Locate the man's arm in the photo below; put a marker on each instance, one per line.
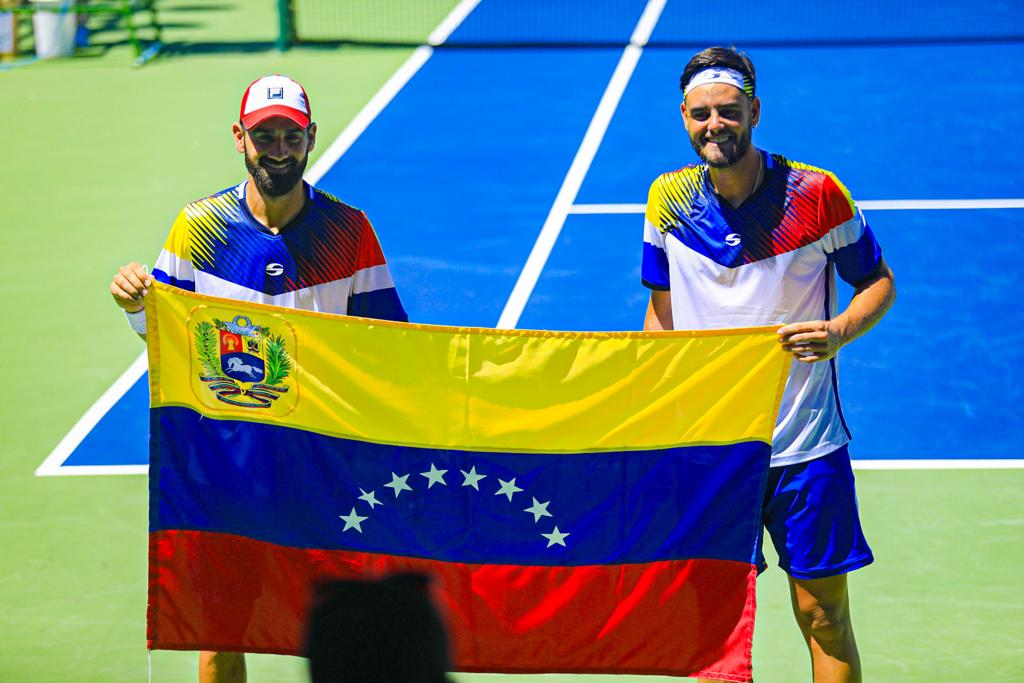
(659, 311)
(818, 340)
(129, 286)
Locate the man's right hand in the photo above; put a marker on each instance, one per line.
(129, 286)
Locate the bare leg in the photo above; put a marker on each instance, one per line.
(822, 610)
(221, 667)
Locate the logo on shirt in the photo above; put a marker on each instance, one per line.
(733, 240)
(242, 363)
(274, 269)
(275, 93)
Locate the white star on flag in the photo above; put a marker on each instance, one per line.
(555, 537)
(508, 488)
(471, 478)
(538, 509)
(353, 521)
(370, 498)
(398, 484)
(434, 476)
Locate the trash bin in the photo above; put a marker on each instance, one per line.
(54, 23)
(8, 35)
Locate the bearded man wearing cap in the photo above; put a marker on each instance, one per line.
(748, 238)
(271, 239)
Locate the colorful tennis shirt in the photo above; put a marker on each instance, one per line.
(327, 259)
(770, 261)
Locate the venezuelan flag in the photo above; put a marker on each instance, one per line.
(586, 502)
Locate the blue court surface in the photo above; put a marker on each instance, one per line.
(462, 168)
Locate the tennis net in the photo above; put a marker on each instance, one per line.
(684, 23)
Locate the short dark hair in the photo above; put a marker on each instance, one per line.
(728, 57)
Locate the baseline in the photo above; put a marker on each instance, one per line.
(937, 464)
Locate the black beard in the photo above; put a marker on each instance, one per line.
(276, 183)
(739, 149)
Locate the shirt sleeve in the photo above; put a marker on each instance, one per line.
(174, 264)
(373, 292)
(654, 260)
(851, 243)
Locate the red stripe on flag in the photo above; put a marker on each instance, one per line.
(684, 617)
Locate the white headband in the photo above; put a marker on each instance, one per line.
(717, 74)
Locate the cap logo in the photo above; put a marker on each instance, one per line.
(273, 96)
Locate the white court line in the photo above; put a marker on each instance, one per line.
(607, 208)
(935, 464)
(648, 20)
(868, 205)
(94, 470)
(356, 127)
(451, 22)
(52, 466)
(580, 165)
(368, 113)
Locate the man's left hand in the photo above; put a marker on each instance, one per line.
(812, 341)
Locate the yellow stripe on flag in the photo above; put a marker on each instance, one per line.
(463, 388)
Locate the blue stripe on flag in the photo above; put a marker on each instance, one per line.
(296, 488)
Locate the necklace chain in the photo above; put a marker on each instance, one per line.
(760, 173)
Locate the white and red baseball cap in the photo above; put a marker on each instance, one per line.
(274, 96)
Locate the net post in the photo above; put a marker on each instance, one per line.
(286, 24)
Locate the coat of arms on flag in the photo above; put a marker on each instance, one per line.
(240, 362)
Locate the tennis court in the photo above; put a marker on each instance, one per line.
(506, 184)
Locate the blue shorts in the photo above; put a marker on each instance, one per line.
(810, 511)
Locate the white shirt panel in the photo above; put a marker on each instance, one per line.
(329, 297)
(775, 291)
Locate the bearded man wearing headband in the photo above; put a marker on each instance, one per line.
(748, 238)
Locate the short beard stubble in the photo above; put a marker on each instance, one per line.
(743, 143)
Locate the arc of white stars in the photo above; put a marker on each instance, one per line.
(434, 476)
(471, 478)
(508, 488)
(353, 521)
(556, 537)
(398, 484)
(370, 498)
(538, 510)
